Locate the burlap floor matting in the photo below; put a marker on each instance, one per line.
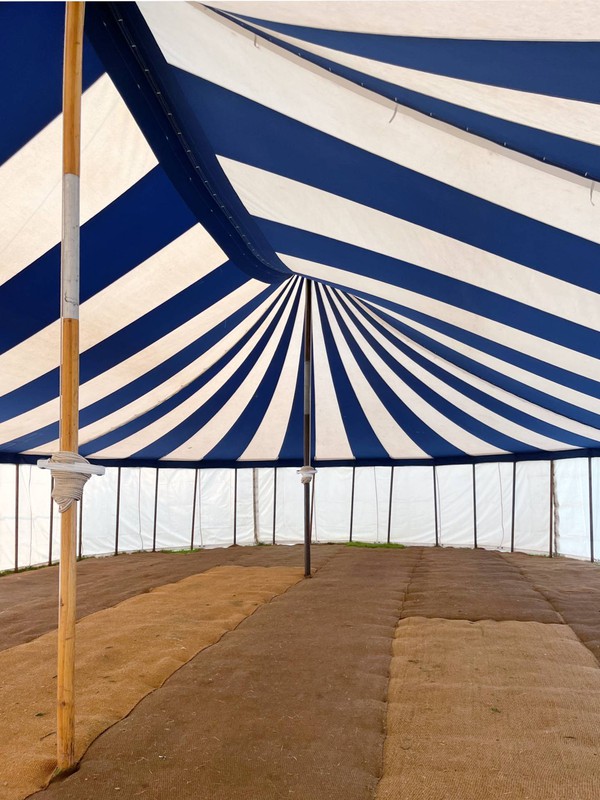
(489, 709)
(122, 654)
(29, 600)
(289, 705)
(492, 695)
(452, 583)
(571, 587)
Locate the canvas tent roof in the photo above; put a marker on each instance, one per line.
(430, 165)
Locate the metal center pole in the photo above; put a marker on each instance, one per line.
(307, 419)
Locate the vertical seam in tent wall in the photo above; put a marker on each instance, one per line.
(350, 532)
(436, 531)
(274, 502)
(501, 506)
(80, 542)
(118, 511)
(17, 518)
(513, 508)
(439, 507)
(140, 508)
(313, 516)
(376, 504)
(200, 508)
(591, 506)
(50, 523)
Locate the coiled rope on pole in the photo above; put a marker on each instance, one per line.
(70, 472)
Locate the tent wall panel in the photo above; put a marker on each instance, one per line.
(371, 504)
(216, 507)
(290, 528)
(455, 505)
(331, 516)
(99, 515)
(7, 516)
(572, 507)
(494, 497)
(174, 518)
(264, 499)
(532, 521)
(244, 508)
(34, 515)
(412, 508)
(136, 509)
(595, 498)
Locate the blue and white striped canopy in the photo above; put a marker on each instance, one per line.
(431, 166)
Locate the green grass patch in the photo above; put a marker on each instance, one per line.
(24, 569)
(380, 545)
(181, 552)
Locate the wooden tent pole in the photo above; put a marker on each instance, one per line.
(69, 377)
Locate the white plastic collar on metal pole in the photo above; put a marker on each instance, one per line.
(70, 472)
(306, 473)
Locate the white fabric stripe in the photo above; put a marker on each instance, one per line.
(196, 41)
(150, 433)
(331, 439)
(487, 328)
(268, 439)
(495, 421)
(442, 425)
(202, 442)
(578, 399)
(178, 265)
(561, 20)
(394, 439)
(142, 362)
(571, 118)
(114, 156)
(299, 205)
(513, 401)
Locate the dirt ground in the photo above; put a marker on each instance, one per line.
(420, 674)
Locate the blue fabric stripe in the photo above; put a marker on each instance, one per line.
(157, 412)
(239, 436)
(141, 333)
(529, 363)
(496, 378)
(557, 69)
(538, 455)
(292, 448)
(361, 436)
(579, 157)
(149, 216)
(425, 437)
(461, 418)
(497, 406)
(153, 325)
(252, 134)
(199, 418)
(31, 61)
(175, 133)
(355, 260)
